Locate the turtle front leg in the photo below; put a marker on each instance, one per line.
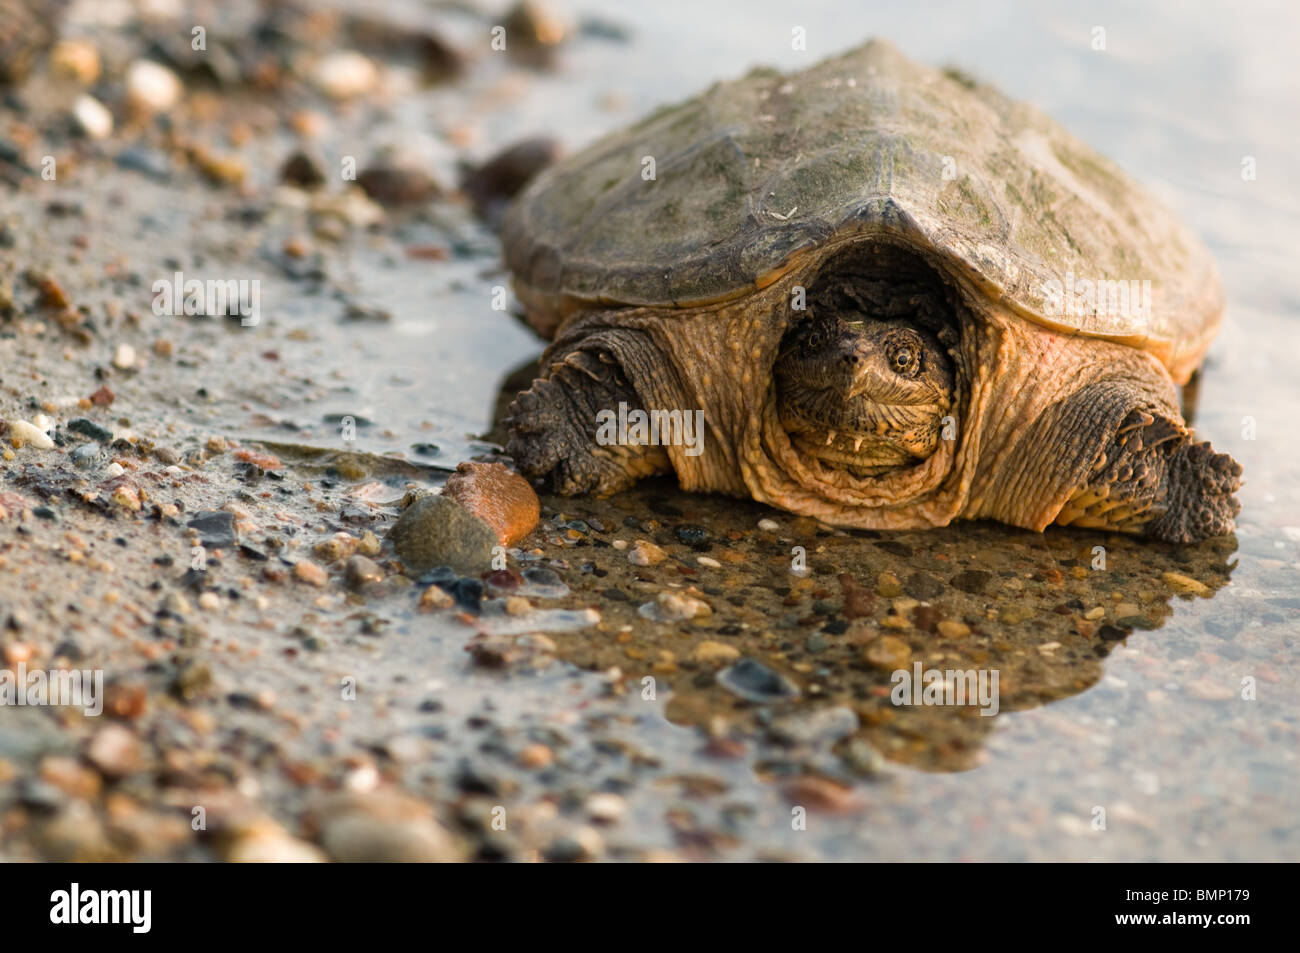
(1124, 461)
(1153, 480)
(556, 430)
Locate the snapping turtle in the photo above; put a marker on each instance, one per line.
(897, 298)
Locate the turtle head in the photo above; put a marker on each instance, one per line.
(861, 394)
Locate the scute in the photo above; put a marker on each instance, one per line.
(755, 174)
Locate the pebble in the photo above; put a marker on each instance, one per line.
(357, 837)
(368, 544)
(360, 572)
(22, 433)
(88, 428)
(536, 756)
(606, 808)
(769, 526)
(152, 87)
(400, 184)
(345, 74)
(209, 601)
(974, 581)
(150, 162)
(310, 572)
(272, 846)
(339, 546)
(216, 528)
(858, 599)
(923, 586)
(76, 61)
(518, 606)
(124, 357)
(303, 171)
(438, 531)
(952, 629)
(755, 682)
(815, 726)
(821, 794)
(497, 495)
(1180, 583)
(115, 751)
(708, 562)
(1209, 689)
(87, 455)
(436, 597)
(646, 553)
(674, 607)
(888, 653)
(709, 652)
(887, 585)
(534, 32)
(575, 845)
(92, 117)
(491, 185)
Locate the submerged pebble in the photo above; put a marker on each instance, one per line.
(755, 682)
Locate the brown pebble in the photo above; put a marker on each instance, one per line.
(888, 653)
(310, 573)
(646, 553)
(858, 599)
(115, 751)
(926, 618)
(125, 700)
(435, 597)
(360, 572)
(491, 185)
(536, 756)
(497, 495)
(821, 794)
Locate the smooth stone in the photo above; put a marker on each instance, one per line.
(755, 682)
(437, 531)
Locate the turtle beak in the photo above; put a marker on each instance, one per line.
(864, 371)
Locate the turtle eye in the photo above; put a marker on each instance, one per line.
(902, 360)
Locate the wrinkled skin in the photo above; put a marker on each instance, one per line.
(866, 395)
(1049, 427)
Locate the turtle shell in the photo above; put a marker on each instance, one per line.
(708, 200)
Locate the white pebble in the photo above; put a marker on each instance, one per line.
(21, 433)
(124, 357)
(606, 808)
(93, 117)
(708, 561)
(114, 469)
(769, 526)
(344, 74)
(152, 87)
